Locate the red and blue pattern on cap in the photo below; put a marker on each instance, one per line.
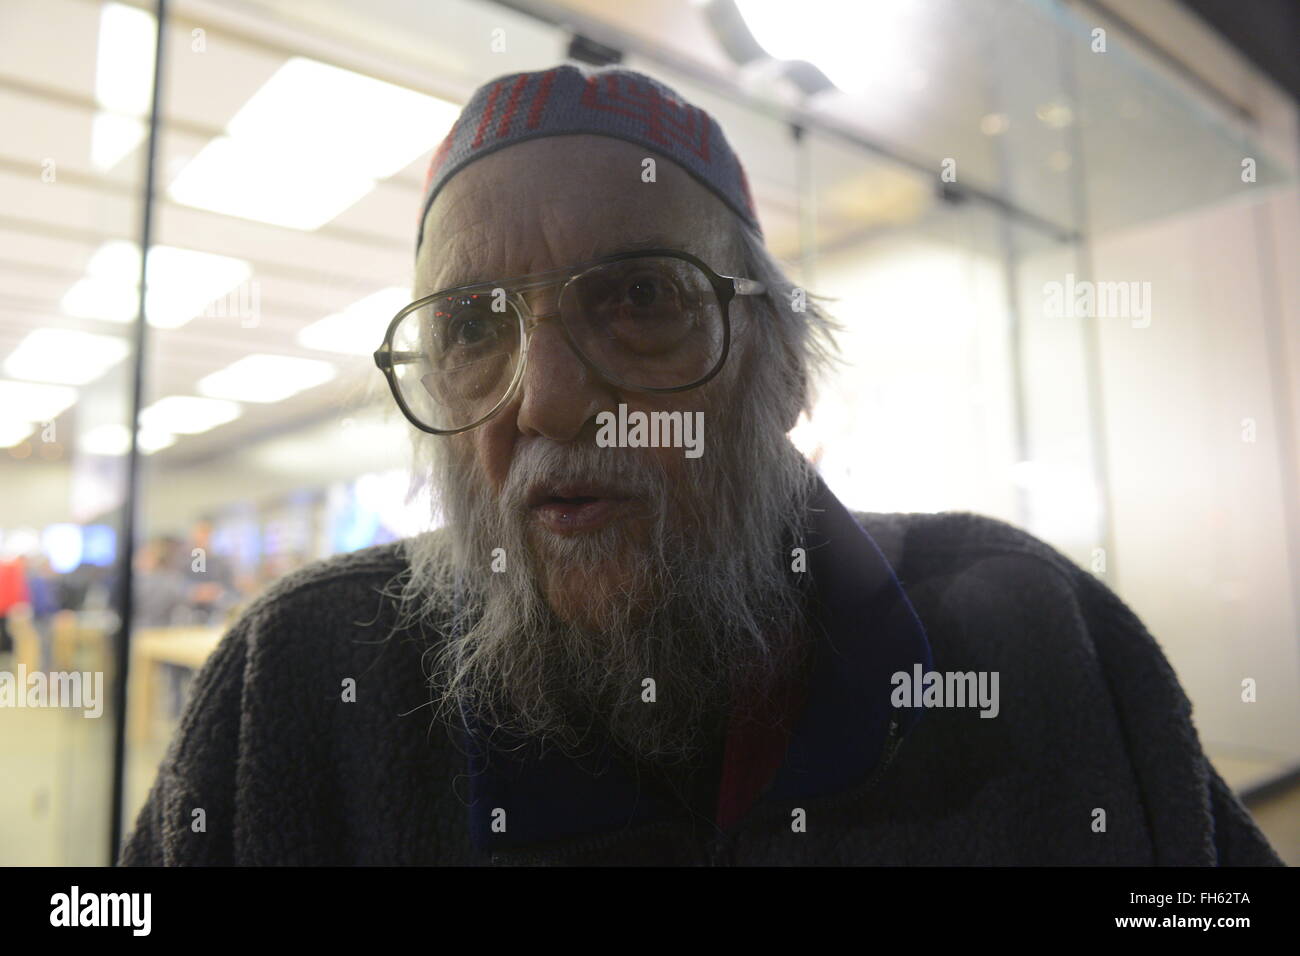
(612, 102)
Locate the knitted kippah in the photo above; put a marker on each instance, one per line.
(609, 102)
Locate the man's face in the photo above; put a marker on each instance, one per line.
(550, 204)
(619, 564)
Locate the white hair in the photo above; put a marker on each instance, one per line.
(713, 606)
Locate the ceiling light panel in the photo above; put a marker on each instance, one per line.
(123, 82)
(187, 414)
(114, 439)
(358, 329)
(324, 114)
(310, 143)
(29, 401)
(250, 180)
(124, 61)
(65, 356)
(265, 378)
(181, 282)
(12, 431)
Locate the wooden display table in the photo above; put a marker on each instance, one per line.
(152, 647)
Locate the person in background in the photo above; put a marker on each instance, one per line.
(13, 591)
(163, 600)
(210, 579)
(161, 590)
(43, 596)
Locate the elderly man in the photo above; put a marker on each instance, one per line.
(647, 632)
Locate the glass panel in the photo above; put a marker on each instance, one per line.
(76, 79)
(293, 215)
(1189, 330)
(920, 418)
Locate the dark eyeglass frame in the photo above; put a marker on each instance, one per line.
(725, 288)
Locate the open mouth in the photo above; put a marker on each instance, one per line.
(576, 500)
(572, 510)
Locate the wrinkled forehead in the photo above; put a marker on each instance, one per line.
(556, 202)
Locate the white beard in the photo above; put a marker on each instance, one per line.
(712, 605)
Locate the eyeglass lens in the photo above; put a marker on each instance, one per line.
(648, 322)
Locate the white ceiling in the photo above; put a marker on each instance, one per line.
(963, 62)
(49, 230)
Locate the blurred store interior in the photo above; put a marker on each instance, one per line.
(1157, 447)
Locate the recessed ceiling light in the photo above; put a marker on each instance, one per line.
(187, 281)
(112, 136)
(109, 440)
(182, 283)
(343, 119)
(265, 378)
(114, 439)
(187, 415)
(100, 299)
(13, 431)
(152, 441)
(246, 179)
(309, 144)
(359, 328)
(124, 61)
(860, 47)
(123, 82)
(65, 356)
(27, 401)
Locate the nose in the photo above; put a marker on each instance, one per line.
(559, 394)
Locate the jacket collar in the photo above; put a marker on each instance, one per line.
(866, 630)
